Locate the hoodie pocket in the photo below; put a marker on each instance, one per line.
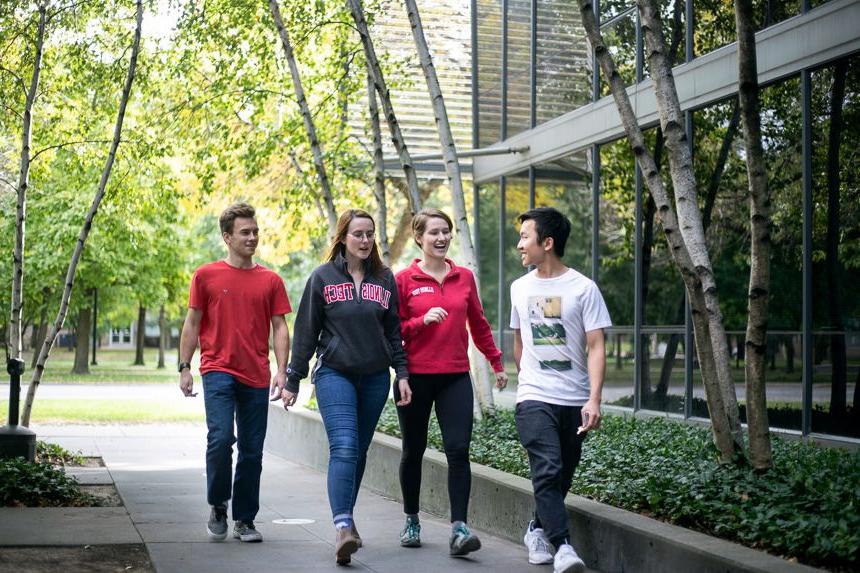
(327, 355)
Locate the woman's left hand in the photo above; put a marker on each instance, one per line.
(405, 392)
(501, 380)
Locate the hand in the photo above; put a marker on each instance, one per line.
(590, 416)
(436, 314)
(186, 383)
(279, 380)
(501, 380)
(289, 398)
(405, 392)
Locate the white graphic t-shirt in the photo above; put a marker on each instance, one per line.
(553, 316)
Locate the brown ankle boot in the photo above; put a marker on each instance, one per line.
(345, 545)
(357, 536)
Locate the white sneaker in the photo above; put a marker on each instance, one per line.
(567, 561)
(540, 549)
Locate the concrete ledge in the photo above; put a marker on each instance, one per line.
(608, 539)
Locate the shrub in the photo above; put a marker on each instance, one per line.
(56, 454)
(807, 507)
(38, 484)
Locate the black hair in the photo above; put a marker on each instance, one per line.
(549, 222)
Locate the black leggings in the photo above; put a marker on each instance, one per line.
(452, 394)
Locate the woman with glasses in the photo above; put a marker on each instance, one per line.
(348, 315)
(437, 300)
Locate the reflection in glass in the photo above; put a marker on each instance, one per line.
(489, 81)
(563, 60)
(836, 242)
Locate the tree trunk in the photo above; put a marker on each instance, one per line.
(82, 342)
(839, 380)
(385, 98)
(760, 241)
(700, 285)
(310, 128)
(139, 336)
(88, 223)
(689, 217)
(619, 362)
(378, 172)
(15, 330)
(163, 333)
(480, 367)
(41, 333)
(710, 199)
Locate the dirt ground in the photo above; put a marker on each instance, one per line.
(129, 558)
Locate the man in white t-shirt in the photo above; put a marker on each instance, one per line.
(558, 316)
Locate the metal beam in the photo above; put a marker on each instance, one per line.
(823, 34)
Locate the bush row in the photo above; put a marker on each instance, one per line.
(805, 508)
(42, 483)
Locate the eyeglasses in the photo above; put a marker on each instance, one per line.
(358, 236)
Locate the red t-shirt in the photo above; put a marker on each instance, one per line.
(238, 306)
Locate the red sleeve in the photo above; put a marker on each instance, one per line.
(280, 300)
(409, 326)
(197, 296)
(480, 329)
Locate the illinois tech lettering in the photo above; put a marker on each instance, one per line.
(338, 293)
(376, 293)
(346, 291)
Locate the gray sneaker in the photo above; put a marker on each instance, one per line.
(411, 534)
(245, 531)
(217, 526)
(462, 540)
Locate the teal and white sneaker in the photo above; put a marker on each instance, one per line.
(411, 534)
(245, 531)
(462, 541)
(217, 526)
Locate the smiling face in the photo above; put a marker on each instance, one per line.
(359, 238)
(435, 239)
(242, 241)
(532, 251)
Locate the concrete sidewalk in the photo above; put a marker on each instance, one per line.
(160, 474)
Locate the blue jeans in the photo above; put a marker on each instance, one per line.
(226, 397)
(350, 406)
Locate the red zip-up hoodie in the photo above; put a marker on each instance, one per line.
(440, 348)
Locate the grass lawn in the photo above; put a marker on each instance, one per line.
(113, 411)
(114, 366)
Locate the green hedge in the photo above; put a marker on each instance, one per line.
(42, 483)
(786, 415)
(806, 508)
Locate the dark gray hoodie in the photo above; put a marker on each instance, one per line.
(354, 332)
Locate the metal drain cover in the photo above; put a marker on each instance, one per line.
(293, 521)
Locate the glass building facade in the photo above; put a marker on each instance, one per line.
(535, 88)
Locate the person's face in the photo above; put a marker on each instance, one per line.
(359, 237)
(243, 240)
(436, 239)
(532, 251)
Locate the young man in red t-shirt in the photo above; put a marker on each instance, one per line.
(231, 304)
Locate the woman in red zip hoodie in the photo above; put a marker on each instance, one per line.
(437, 300)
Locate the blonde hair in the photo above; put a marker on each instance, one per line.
(420, 219)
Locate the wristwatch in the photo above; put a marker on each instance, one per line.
(183, 366)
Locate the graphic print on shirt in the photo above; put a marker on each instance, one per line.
(548, 332)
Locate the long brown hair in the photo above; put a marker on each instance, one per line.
(375, 266)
